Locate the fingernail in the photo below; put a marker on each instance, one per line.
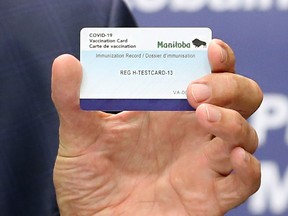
(223, 53)
(213, 114)
(200, 92)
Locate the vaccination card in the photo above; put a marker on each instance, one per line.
(141, 69)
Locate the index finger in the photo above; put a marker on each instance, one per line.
(226, 90)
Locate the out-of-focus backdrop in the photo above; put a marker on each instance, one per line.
(257, 30)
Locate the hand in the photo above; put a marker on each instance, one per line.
(158, 163)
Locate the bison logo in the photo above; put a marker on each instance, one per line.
(198, 43)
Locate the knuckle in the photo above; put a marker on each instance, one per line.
(258, 94)
(237, 125)
(255, 140)
(257, 176)
(231, 90)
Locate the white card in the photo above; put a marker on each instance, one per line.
(141, 68)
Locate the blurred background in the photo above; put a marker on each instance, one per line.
(257, 30)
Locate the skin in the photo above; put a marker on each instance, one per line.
(158, 163)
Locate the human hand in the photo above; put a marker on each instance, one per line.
(158, 163)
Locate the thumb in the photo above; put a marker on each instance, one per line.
(75, 124)
(66, 81)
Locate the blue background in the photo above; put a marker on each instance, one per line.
(258, 37)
